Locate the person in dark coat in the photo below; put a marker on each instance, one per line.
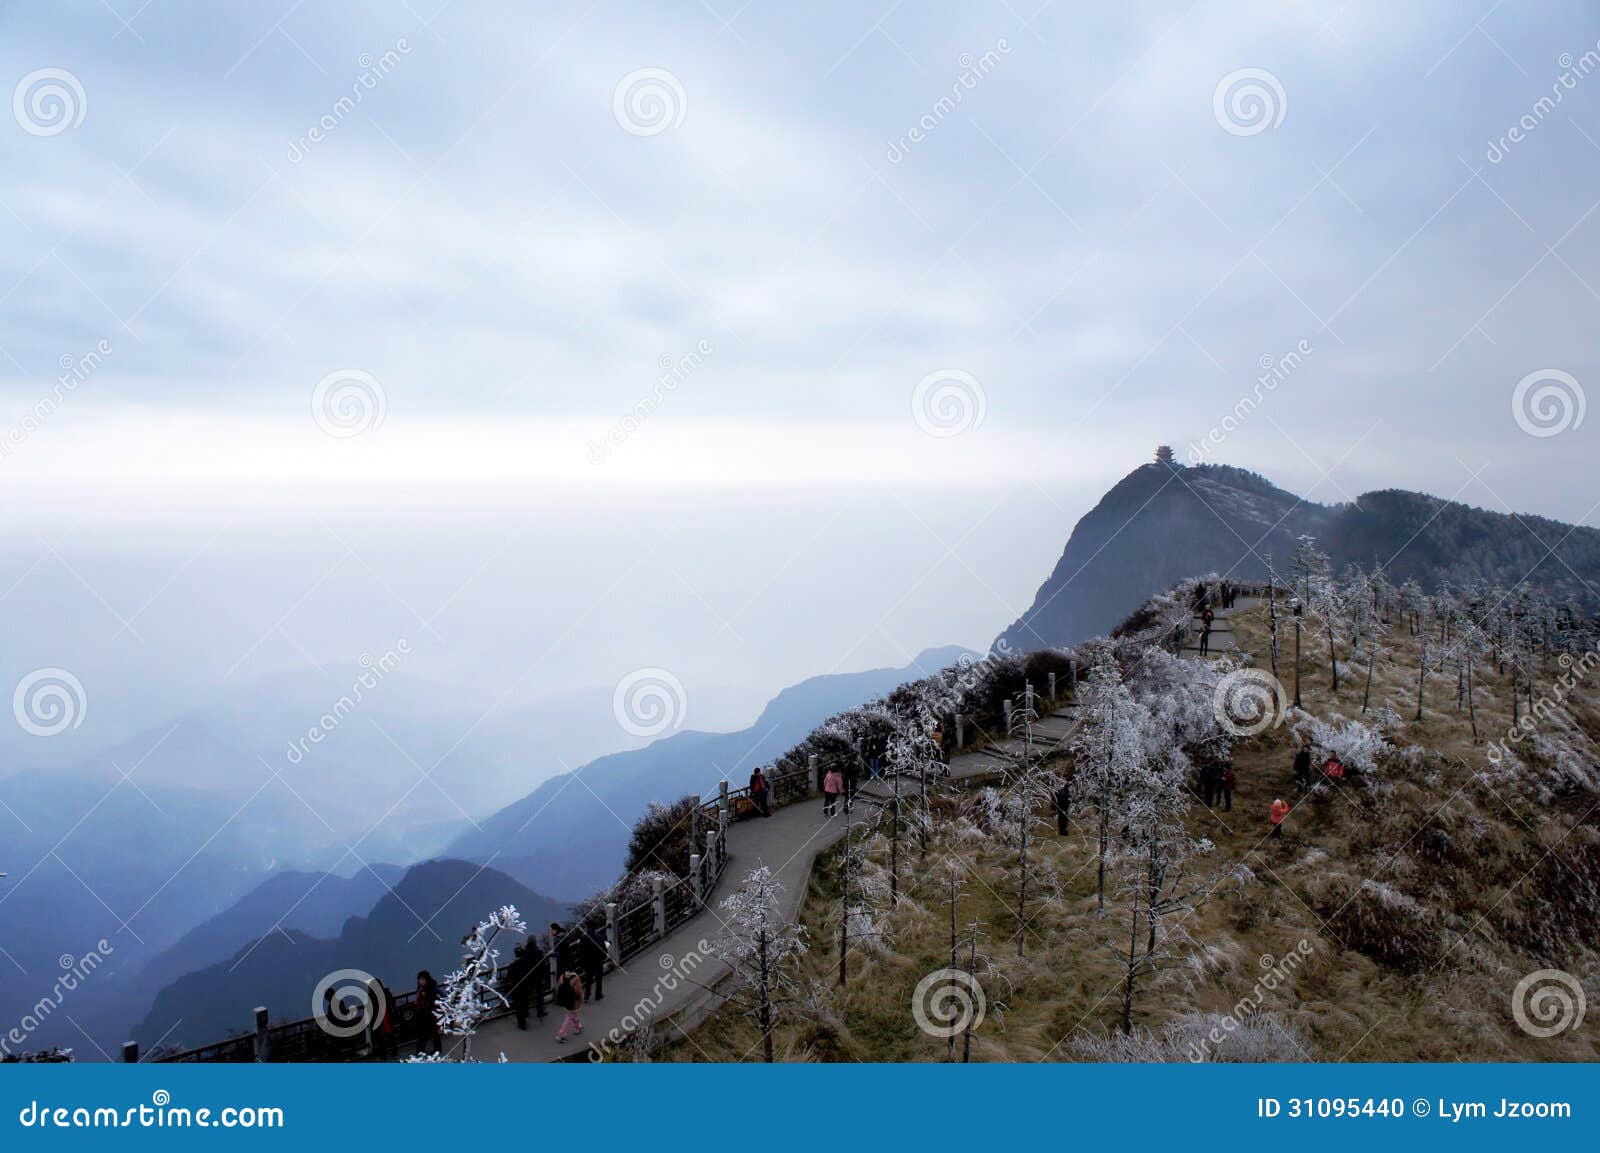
(1226, 783)
(539, 967)
(1205, 632)
(519, 985)
(560, 947)
(759, 790)
(1302, 767)
(1063, 806)
(593, 956)
(1210, 784)
(428, 1039)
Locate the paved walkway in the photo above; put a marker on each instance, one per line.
(788, 842)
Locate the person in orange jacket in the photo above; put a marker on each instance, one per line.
(1280, 810)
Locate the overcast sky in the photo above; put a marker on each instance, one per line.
(326, 266)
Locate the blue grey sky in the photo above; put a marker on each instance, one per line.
(944, 271)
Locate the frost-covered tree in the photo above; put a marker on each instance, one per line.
(1110, 748)
(468, 996)
(759, 940)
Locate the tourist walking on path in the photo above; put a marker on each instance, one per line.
(1209, 782)
(832, 786)
(1280, 810)
(560, 947)
(758, 792)
(428, 1040)
(1205, 632)
(569, 997)
(1063, 807)
(852, 774)
(593, 955)
(1228, 780)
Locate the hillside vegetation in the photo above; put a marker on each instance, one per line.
(1392, 920)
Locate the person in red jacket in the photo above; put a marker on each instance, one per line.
(1280, 810)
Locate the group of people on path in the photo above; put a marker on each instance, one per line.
(575, 958)
(1217, 782)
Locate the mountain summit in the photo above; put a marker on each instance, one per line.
(1164, 522)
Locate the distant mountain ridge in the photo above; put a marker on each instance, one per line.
(1165, 522)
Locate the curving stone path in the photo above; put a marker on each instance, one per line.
(788, 842)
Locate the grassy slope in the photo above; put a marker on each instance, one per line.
(1478, 877)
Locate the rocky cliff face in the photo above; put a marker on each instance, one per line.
(1165, 522)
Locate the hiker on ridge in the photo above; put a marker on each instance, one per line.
(832, 786)
(759, 790)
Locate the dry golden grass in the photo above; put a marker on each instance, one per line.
(1425, 893)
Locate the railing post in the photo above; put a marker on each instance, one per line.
(813, 783)
(699, 881)
(1072, 677)
(961, 730)
(713, 857)
(1052, 684)
(613, 938)
(1008, 716)
(130, 1052)
(694, 824)
(263, 1046)
(658, 901)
